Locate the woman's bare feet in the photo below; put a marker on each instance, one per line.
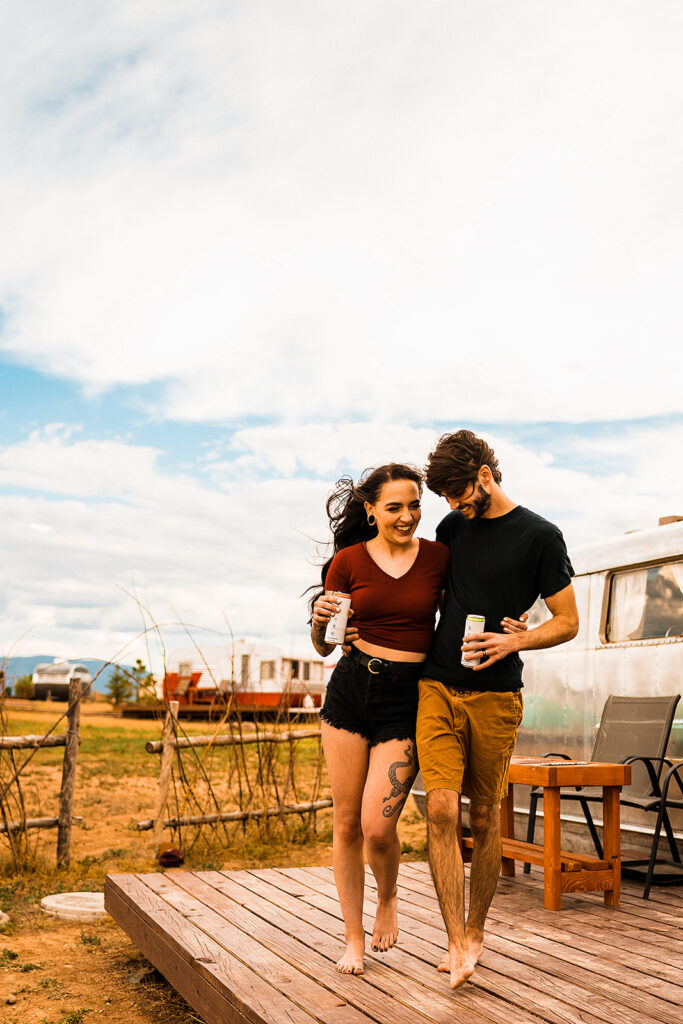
(385, 932)
(352, 961)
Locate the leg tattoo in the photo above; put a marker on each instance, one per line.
(398, 788)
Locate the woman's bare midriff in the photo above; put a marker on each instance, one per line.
(388, 653)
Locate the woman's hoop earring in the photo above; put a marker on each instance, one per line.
(371, 520)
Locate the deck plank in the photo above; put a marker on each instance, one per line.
(633, 916)
(259, 947)
(629, 989)
(584, 1005)
(381, 993)
(329, 920)
(578, 932)
(570, 955)
(229, 991)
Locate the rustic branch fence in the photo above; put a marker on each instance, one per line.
(11, 794)
(259, 778)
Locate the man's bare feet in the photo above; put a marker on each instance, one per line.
(352, 961)
(385, 932)
(475, 943)
(459, 964)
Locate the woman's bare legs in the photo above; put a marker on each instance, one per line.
(347, 755)
(392, 769)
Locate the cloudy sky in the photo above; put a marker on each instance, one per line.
(248, 247)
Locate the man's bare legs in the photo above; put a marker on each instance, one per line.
(393, 766)
(445, 859)
(347, 757)
(484, 871)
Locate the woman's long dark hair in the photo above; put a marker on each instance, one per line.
(346, 509)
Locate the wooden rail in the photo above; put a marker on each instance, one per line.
(212, 819)
(18, 826)
(184, 742)
(31, 742)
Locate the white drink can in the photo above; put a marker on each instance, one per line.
(336, 627)
(473, 624)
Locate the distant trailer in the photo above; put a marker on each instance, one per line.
(51, 680)
(251, 677)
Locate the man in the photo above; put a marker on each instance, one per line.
(502, 558)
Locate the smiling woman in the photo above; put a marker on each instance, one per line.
(368, 720)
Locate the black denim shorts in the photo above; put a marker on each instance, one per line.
(378, 702)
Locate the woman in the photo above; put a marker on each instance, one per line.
(368, 718)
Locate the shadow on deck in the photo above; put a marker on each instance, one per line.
(260, 946)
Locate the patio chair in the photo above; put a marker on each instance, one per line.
(633, 730)
(666, 801)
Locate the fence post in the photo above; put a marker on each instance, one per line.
(167, 751)
(66, 796)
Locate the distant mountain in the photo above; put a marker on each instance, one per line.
(17, 667)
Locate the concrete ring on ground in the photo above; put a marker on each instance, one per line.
(75, 906)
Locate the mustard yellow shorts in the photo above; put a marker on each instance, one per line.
(465, 739)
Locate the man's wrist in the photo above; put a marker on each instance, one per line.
(520, 640)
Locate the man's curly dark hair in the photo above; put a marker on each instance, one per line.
(454, 464)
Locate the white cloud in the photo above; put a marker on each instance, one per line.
(348, 221)
(243, 545)
(390, 212)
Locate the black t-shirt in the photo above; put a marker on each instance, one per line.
(498, 568)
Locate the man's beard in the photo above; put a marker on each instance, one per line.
(480, 502)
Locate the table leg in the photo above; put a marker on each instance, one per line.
(507, 828)
(552, 865)
(611, 840)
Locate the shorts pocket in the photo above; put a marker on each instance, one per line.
(342, 667)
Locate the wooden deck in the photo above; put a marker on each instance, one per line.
(260, 946)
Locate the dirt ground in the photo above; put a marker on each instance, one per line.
(57, 972)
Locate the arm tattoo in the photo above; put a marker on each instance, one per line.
(399, 789)
(318, 640)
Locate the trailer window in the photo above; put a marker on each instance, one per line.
(646, 603)
(244, 675)
(307, 671)
(267, 670)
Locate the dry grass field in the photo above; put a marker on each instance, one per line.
(63, 973)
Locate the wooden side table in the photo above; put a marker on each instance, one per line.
(564, 871)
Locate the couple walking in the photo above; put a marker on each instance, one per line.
(401, 688)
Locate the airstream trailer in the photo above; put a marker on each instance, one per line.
(51, 680)
(630, 642)
(258, 677)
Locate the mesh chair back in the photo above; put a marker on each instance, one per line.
(635, 727)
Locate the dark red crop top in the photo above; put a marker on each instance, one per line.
(396, 613)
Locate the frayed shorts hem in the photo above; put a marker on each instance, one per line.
(337, 722)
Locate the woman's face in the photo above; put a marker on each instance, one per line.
(397, 511)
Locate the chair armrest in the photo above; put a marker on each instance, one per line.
(649, 763)
(673, 773)
(630, 758)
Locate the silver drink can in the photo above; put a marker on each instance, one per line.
(473, 624)
(336, 627)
